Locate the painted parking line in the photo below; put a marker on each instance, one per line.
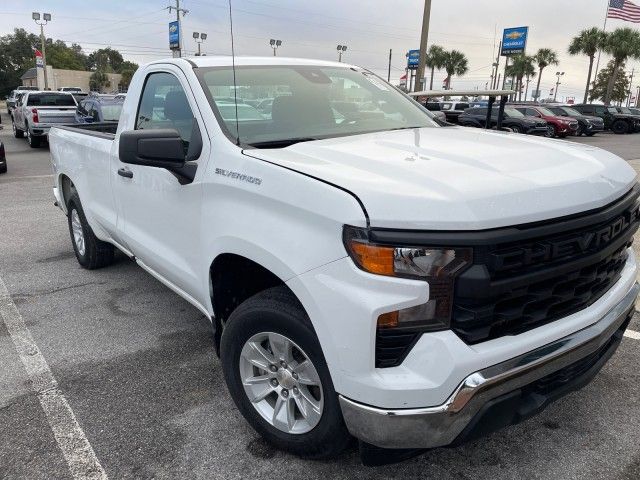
(77, 451)
(632, 334)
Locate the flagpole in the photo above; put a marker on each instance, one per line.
(604, 29)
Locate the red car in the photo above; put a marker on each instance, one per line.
(558, 126)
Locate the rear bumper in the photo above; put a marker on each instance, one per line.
(499, 395)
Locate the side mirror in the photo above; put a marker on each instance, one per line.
(154, 148)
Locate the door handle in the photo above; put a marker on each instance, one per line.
(125, 172)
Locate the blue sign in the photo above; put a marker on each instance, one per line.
(413, 58)
(514, 40)
(174, 35)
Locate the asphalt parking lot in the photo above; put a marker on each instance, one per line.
(136, 365)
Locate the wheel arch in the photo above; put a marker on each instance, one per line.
(236, 274)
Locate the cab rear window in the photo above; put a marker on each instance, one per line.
(50, 100)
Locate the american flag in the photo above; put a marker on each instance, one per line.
(624, 10)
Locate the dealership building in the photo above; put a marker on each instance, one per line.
(58, 78)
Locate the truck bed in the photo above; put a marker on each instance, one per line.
(99, 129)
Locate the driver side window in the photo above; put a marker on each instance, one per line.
(163, 105)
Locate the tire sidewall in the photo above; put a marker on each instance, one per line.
(242, 325)
(620, 127)
(74, 204)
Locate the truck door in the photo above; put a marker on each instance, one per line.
(159, 213)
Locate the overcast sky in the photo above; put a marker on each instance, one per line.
(138, 28)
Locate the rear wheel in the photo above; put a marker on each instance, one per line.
(90, 251)
(516, 129)
(580, 131)
(17, 132)
(3, 168)
(620, 127)
(34, 142)
(278, 377)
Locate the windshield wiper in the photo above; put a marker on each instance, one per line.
(281, 143)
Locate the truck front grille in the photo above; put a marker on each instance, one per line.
(543, 272)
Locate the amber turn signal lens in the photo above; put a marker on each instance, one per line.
(388, 320)
(373, 258)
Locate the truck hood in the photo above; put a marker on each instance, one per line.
(457, 178)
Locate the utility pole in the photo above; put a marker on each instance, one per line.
(178, 52)
(638, 97)
(389, 70)
(633, 70)
(495, 67)
(424, 39)
(46, 17)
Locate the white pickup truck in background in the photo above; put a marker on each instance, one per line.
(367, 272)
(37, 111)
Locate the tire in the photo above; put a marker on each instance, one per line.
(90, 251)
(580, 131)
(551, 132)
(590, 134)
(34, 142)
(3, 168)
(275, 313)
(16, 131)
(620, 127)
(516, 129)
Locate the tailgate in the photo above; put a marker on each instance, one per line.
(56, 115)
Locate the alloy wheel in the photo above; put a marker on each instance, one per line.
(78, 233)
(281, 382)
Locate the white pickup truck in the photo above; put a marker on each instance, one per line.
(37, 111)
(367, 271)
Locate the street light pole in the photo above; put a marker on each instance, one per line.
(341, 50)
(275, 44)
(199, 38)
(389, 70)
(555, 93)
(46, 18)
(424, 39)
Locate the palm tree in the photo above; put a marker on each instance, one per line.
(521, 66)
(434, 59)
(454, 63)
(544, 57)
(588, 42)
(621, 44)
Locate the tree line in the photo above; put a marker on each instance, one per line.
(611, 83)
(17, 55)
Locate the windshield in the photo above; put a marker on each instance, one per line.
(51, 100)
(301, 103)
(546, 112)
(512, 112)
(111, 112)
(571, 111)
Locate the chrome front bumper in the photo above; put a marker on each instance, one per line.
(441, 425)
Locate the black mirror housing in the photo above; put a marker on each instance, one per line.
(154, 148)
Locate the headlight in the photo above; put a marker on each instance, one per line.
(437, 265)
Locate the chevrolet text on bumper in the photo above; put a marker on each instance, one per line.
(367, 272)
(499, 395)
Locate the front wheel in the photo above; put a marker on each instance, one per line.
(278, 377)
(90, 251)
(620, 127)
(516, 129)
(551, 132)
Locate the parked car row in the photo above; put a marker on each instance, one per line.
(33, 113)
(559, 120)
